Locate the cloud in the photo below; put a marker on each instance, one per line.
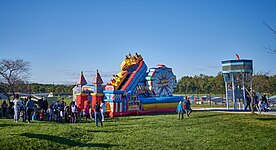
(199, 69)
(213, 67)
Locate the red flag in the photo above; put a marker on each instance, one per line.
(238, 57)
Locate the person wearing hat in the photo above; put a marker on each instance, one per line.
(180, 110)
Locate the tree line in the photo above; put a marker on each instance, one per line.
(204, 84)
(38, 88)
(47, 88)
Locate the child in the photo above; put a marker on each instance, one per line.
(22, 114)
(81, 115)
(91, 114)
(34, 116)
(50, 113)
(60, 115)
(179, 110)
(41, 116)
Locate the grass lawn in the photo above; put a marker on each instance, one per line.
(67, 100)
(203, 130)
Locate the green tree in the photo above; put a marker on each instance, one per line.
(35, 88)
(42, 89)
(58, 89)
(260, 83)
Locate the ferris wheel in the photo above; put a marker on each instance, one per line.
(161, 81)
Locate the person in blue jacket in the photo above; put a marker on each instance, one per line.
(180, 110)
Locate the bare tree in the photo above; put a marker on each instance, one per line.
(13, 71)
(269, 49)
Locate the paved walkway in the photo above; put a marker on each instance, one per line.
(271, 112)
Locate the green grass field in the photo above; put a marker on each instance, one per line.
(203, 130)
(67, 100)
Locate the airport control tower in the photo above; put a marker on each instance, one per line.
(237, 76)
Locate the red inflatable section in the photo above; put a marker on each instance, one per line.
(81, 100)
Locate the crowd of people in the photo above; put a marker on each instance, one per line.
(184, 107)
(26, 110)
(259, 104)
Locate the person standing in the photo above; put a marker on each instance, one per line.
(264, 98)
(49, 113)
(24, 109)
(11, 110)
(29, 107)
(187, 106)
(265, 104)
(56, 111)
(17, 104)
(260, 104)
(248, 102)
(61, 110)
(41, 115)
(4, 107)
(67, 114)
(45, 104)
(256, 102)
(103, 109)
(86, 110)
(40, 103)
(180, 110)
(97, 114)
(62, 99)
(91, 113)
(74, 112)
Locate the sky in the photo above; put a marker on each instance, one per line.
(61, 38)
